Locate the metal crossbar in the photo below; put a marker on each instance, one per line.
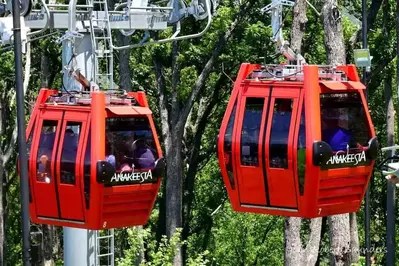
(101, 39)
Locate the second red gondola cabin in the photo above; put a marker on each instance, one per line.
(297, 145)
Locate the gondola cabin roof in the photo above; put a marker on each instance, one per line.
(132, 103)
(333, 78)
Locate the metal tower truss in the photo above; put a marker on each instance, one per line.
(156, 15)
(104, 251)
(276, 10)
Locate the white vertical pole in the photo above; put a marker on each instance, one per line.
(79, 244)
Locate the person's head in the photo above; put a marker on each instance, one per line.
(43, 159)
(343, 122)
(283, 105)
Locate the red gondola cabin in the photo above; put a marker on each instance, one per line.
(95, 161)
(301, 145)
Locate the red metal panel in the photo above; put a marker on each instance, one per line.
(343, 86)
(129, 110)
(311, 85)
(356, 85)
(97, 154)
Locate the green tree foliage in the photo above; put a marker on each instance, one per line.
(212, 233)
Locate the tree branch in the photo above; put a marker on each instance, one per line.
(11, 144)
(380, 67)
(269, 227)
(175, 82)
(9, 182)
(371, 16)
(195, 158)
(311, 251)
(219, 46)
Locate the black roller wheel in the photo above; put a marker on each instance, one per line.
(25, 6)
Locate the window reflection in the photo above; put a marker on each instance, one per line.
(87, 166)
(302, 152)
(228, 147)
(278, 149)
(69, 152)
(250, 131)
(130, 143)
(344, 122)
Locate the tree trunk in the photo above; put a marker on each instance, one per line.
(389, 107)
(47, 245)
(295, 254)
(354, 244)
(174, 191)
(292, 241)
(125, 76)
(298, 25)
(172, 136)
(334, 36)
(340, 236)
(339, 240)
(2, 229)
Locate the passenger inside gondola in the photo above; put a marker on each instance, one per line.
(130, 144)
(337, 134)
(44, 154)
(344, 122)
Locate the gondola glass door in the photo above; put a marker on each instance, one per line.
(43, 156)
(57, 151)
(248, 152)
(279, 148)
(264, 147)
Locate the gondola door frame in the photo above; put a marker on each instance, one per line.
(231, 185)
(71, 200)
(46, 194)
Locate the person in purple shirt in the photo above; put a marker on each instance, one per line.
(142, 153)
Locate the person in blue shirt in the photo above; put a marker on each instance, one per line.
(338, 137)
